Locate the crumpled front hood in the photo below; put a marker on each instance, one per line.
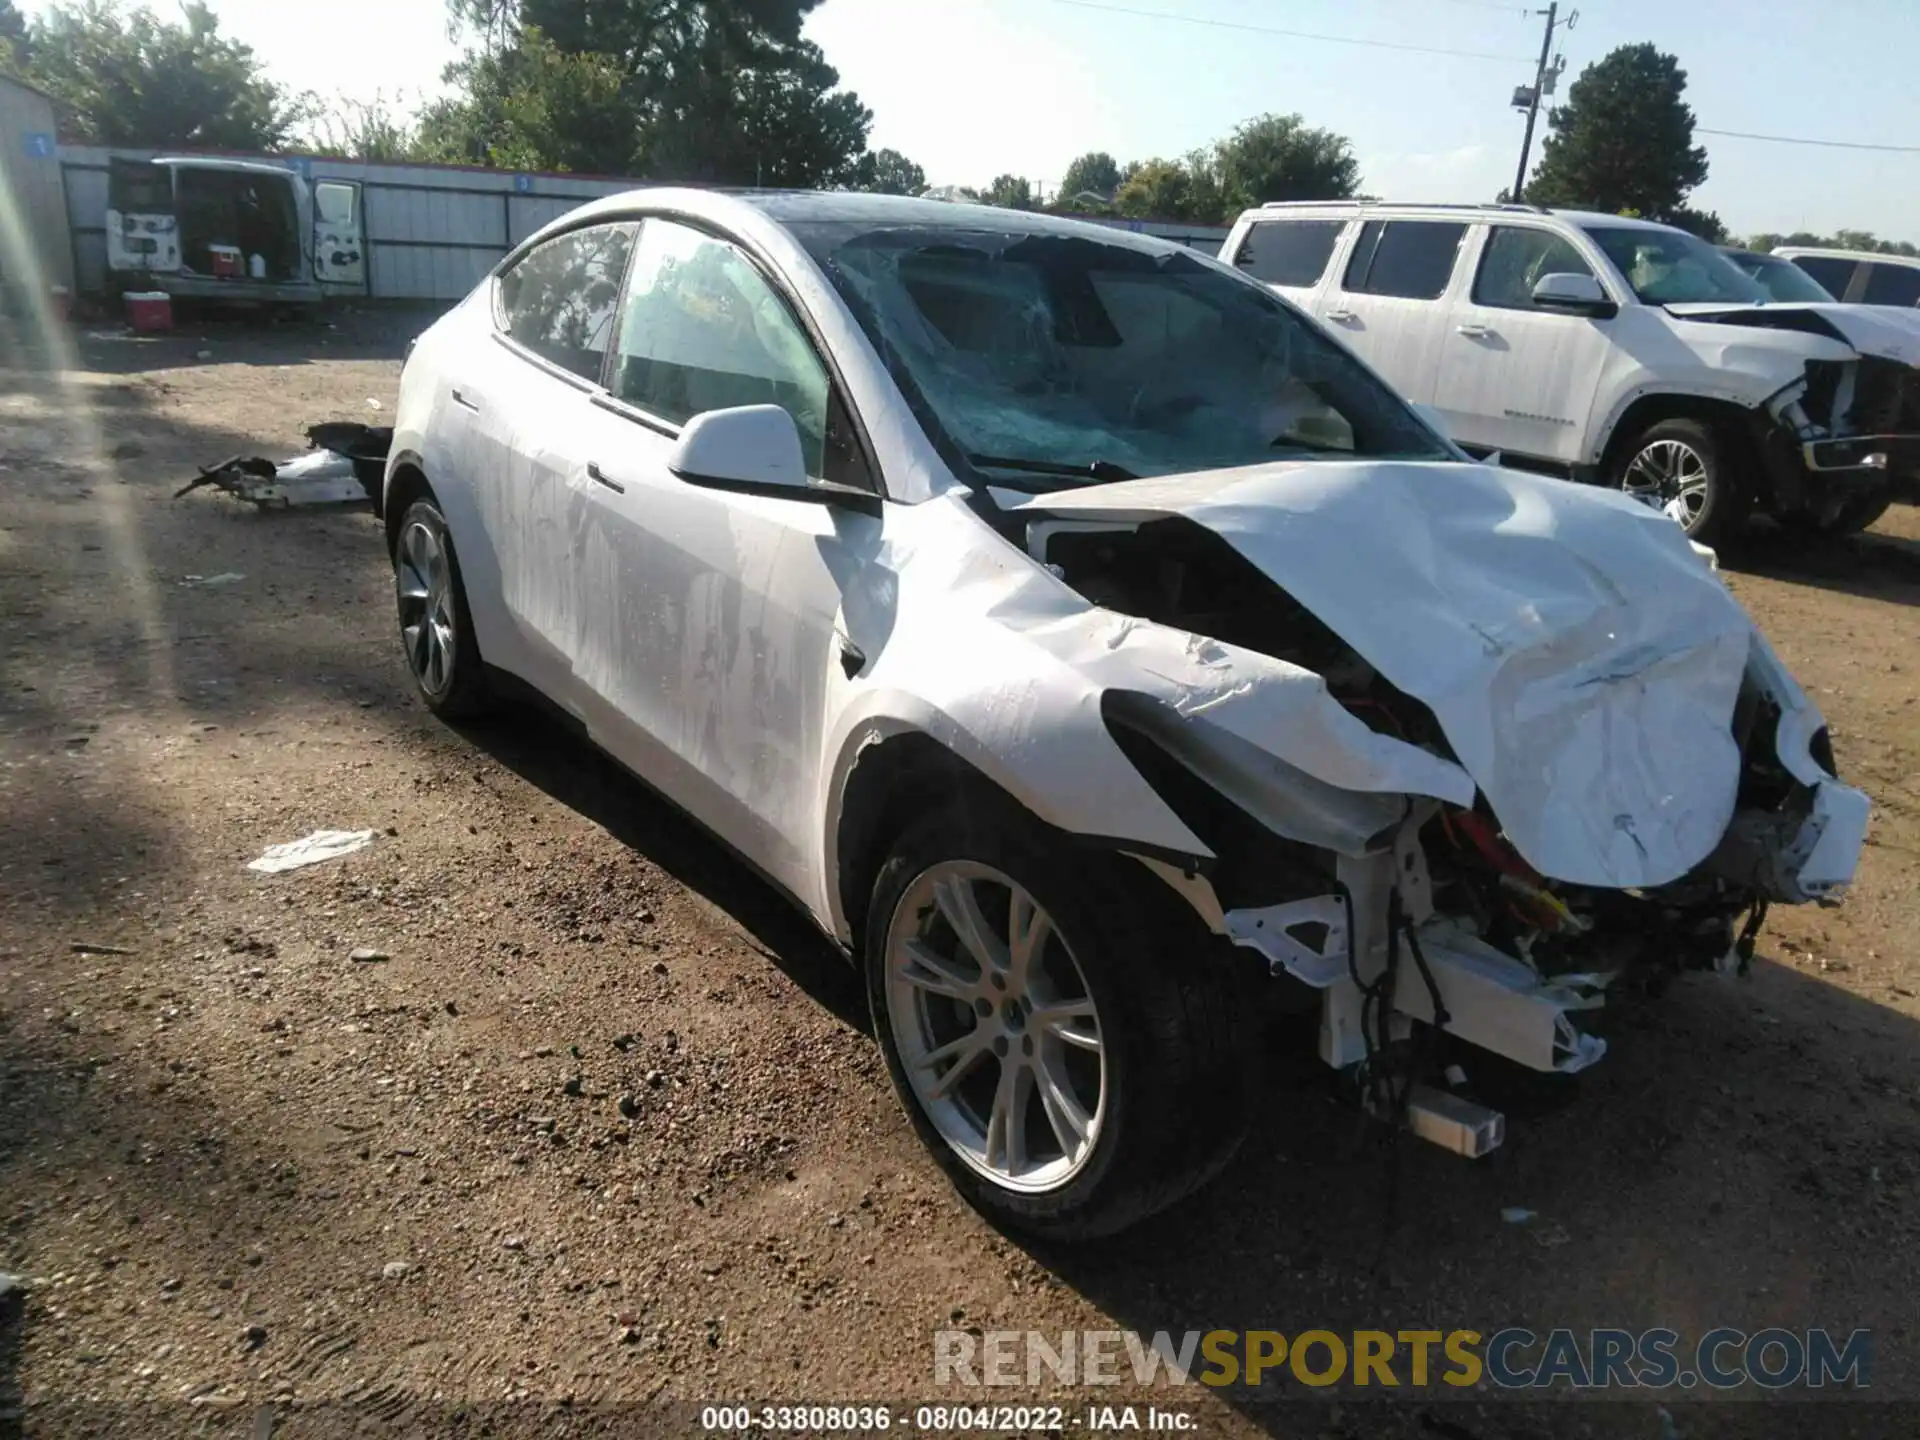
(1883, 330)
(1581, 658)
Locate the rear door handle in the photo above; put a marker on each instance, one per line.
(1474, 332)
(461, 400)
(595, 473)
(1342, 315)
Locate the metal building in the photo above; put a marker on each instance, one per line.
(431, 230)
(33, 208)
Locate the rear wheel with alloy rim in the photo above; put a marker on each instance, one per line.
(436, 630)
(1688, 470)
(1065, 1044)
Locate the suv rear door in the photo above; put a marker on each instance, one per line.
(1512, 377)
(339, 234)
(1390, 301)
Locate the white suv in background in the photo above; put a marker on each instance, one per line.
(1864, 277)
(1610, 350)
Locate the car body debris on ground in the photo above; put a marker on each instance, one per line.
(615, 1108)
(343, 466)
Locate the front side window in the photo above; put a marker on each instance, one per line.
(559, 299)
(1289, 252)
(1409, 259)
(703, 330)
(1055, 359)
(1829, 273)
(1671, 267)
(1891, 285)
(1516, 259)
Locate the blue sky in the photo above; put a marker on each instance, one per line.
(973, 88)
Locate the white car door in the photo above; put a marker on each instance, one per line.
(1390, 301)
(712, 626)
(1512, 377)
(523, 404)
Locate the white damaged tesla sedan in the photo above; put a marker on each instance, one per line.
(1094, 648)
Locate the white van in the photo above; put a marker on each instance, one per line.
(1610, 350)
(233, 230)
(1862, 277)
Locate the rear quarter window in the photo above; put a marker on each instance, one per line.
(1891, 285)
(1289, 252)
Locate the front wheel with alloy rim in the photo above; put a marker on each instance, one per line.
(1070, 1064)
(1687, 469)
(436, 630)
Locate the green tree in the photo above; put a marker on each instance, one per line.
(1010, 192)
(1623, 140)
(128, 78)
(1156, 190)
(363, 130)
(888, 172)
(1096, 173)
(13, 39)
(1704, 223)
(1278, 157)
(709, 91)
(534, 107)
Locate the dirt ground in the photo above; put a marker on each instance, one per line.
(604, 1136)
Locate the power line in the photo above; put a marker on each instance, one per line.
(1294, 34)
(1802, 140)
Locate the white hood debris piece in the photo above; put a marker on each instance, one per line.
(346, 466)
(310, 850)
(1581, 660)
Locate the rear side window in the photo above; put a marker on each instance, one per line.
(1515, 260)
(1891, 285)
(1411, 259)
(1834, 275)
(1289, 252)
(561, 298)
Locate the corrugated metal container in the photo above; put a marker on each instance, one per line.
(30, 173)
(432, 230)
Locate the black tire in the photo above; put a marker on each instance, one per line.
(1728, 498)
(1855, 514)
(1181, 1067)
(461, 689)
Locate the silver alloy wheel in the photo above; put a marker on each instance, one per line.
(978, 972)
(1669, 475)
(424, 580)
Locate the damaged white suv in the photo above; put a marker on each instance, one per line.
(1083, 639)
(1612, 350)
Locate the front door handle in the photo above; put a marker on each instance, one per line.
(595, 473)
(1342, 315)
(464, 403)
(1475, 332)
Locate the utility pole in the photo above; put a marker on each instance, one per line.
(1544, 79)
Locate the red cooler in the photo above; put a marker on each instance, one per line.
(227, 262)
(150, 310)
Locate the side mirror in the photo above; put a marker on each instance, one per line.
(1566, 293)
(755, 447)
